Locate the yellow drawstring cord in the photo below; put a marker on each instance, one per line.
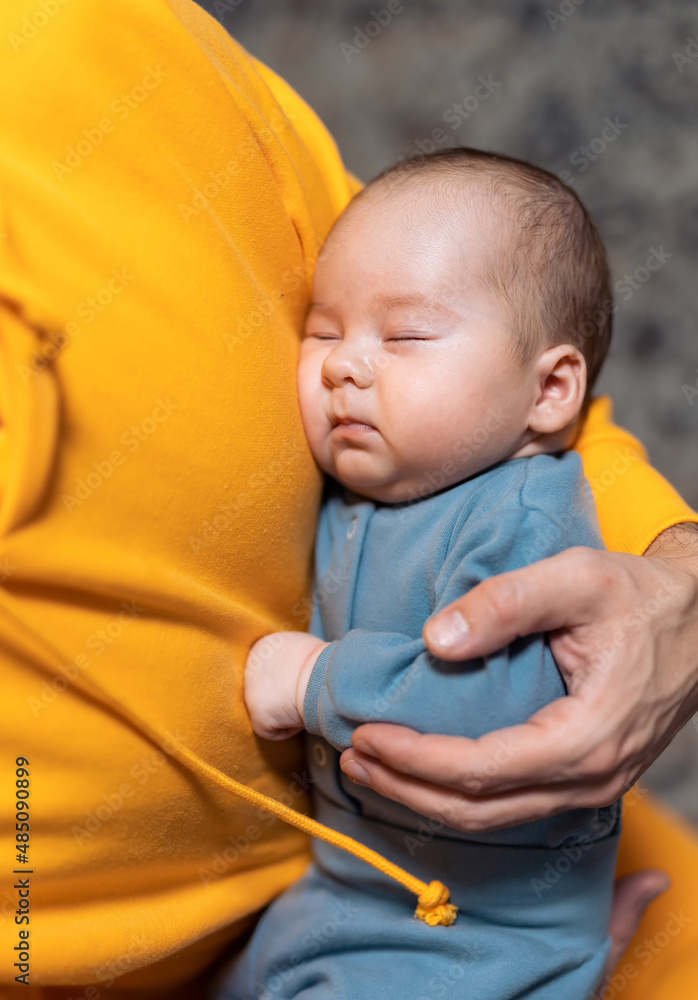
(433, 906)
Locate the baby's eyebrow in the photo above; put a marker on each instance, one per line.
(387, 302)
(412, 300)
(320, 307)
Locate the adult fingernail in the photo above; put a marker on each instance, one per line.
(448, 630)
(356, 772)
(363, 746)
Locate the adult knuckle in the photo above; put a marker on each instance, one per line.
(471, 784)
(595, 570)
(502, 595)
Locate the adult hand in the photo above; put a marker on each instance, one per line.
(624, 632)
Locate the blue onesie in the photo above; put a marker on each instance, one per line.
(534, 899)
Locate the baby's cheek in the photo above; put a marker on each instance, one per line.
(315, 423)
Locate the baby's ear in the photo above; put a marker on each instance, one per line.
(561, 380)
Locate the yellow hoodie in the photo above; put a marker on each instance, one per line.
(162, 199)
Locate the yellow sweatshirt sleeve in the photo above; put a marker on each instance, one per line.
(635, 503)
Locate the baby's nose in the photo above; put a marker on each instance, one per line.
(342, 365)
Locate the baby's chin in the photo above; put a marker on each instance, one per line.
(365, 486)
(401, 485)
(386, 480)
(379, 494)
(392, 488)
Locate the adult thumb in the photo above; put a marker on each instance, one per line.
(554, 593)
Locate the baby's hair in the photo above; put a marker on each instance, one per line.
(558, 271)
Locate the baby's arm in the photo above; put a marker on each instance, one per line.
(392, 677)
(276, 676)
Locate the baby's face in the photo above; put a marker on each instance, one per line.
(406, 380)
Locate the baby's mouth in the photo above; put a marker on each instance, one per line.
(350, 426)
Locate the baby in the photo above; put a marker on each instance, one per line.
(459, 319)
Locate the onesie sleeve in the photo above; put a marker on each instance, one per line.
(370, 676)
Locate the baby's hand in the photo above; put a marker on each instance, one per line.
(276, 678)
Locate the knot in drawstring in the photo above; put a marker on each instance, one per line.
(433, 906)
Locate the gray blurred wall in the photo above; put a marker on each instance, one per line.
(605, 94)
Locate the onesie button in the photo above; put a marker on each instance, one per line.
(352, 526)
(319, 754)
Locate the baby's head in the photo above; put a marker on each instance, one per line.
(461, 312)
